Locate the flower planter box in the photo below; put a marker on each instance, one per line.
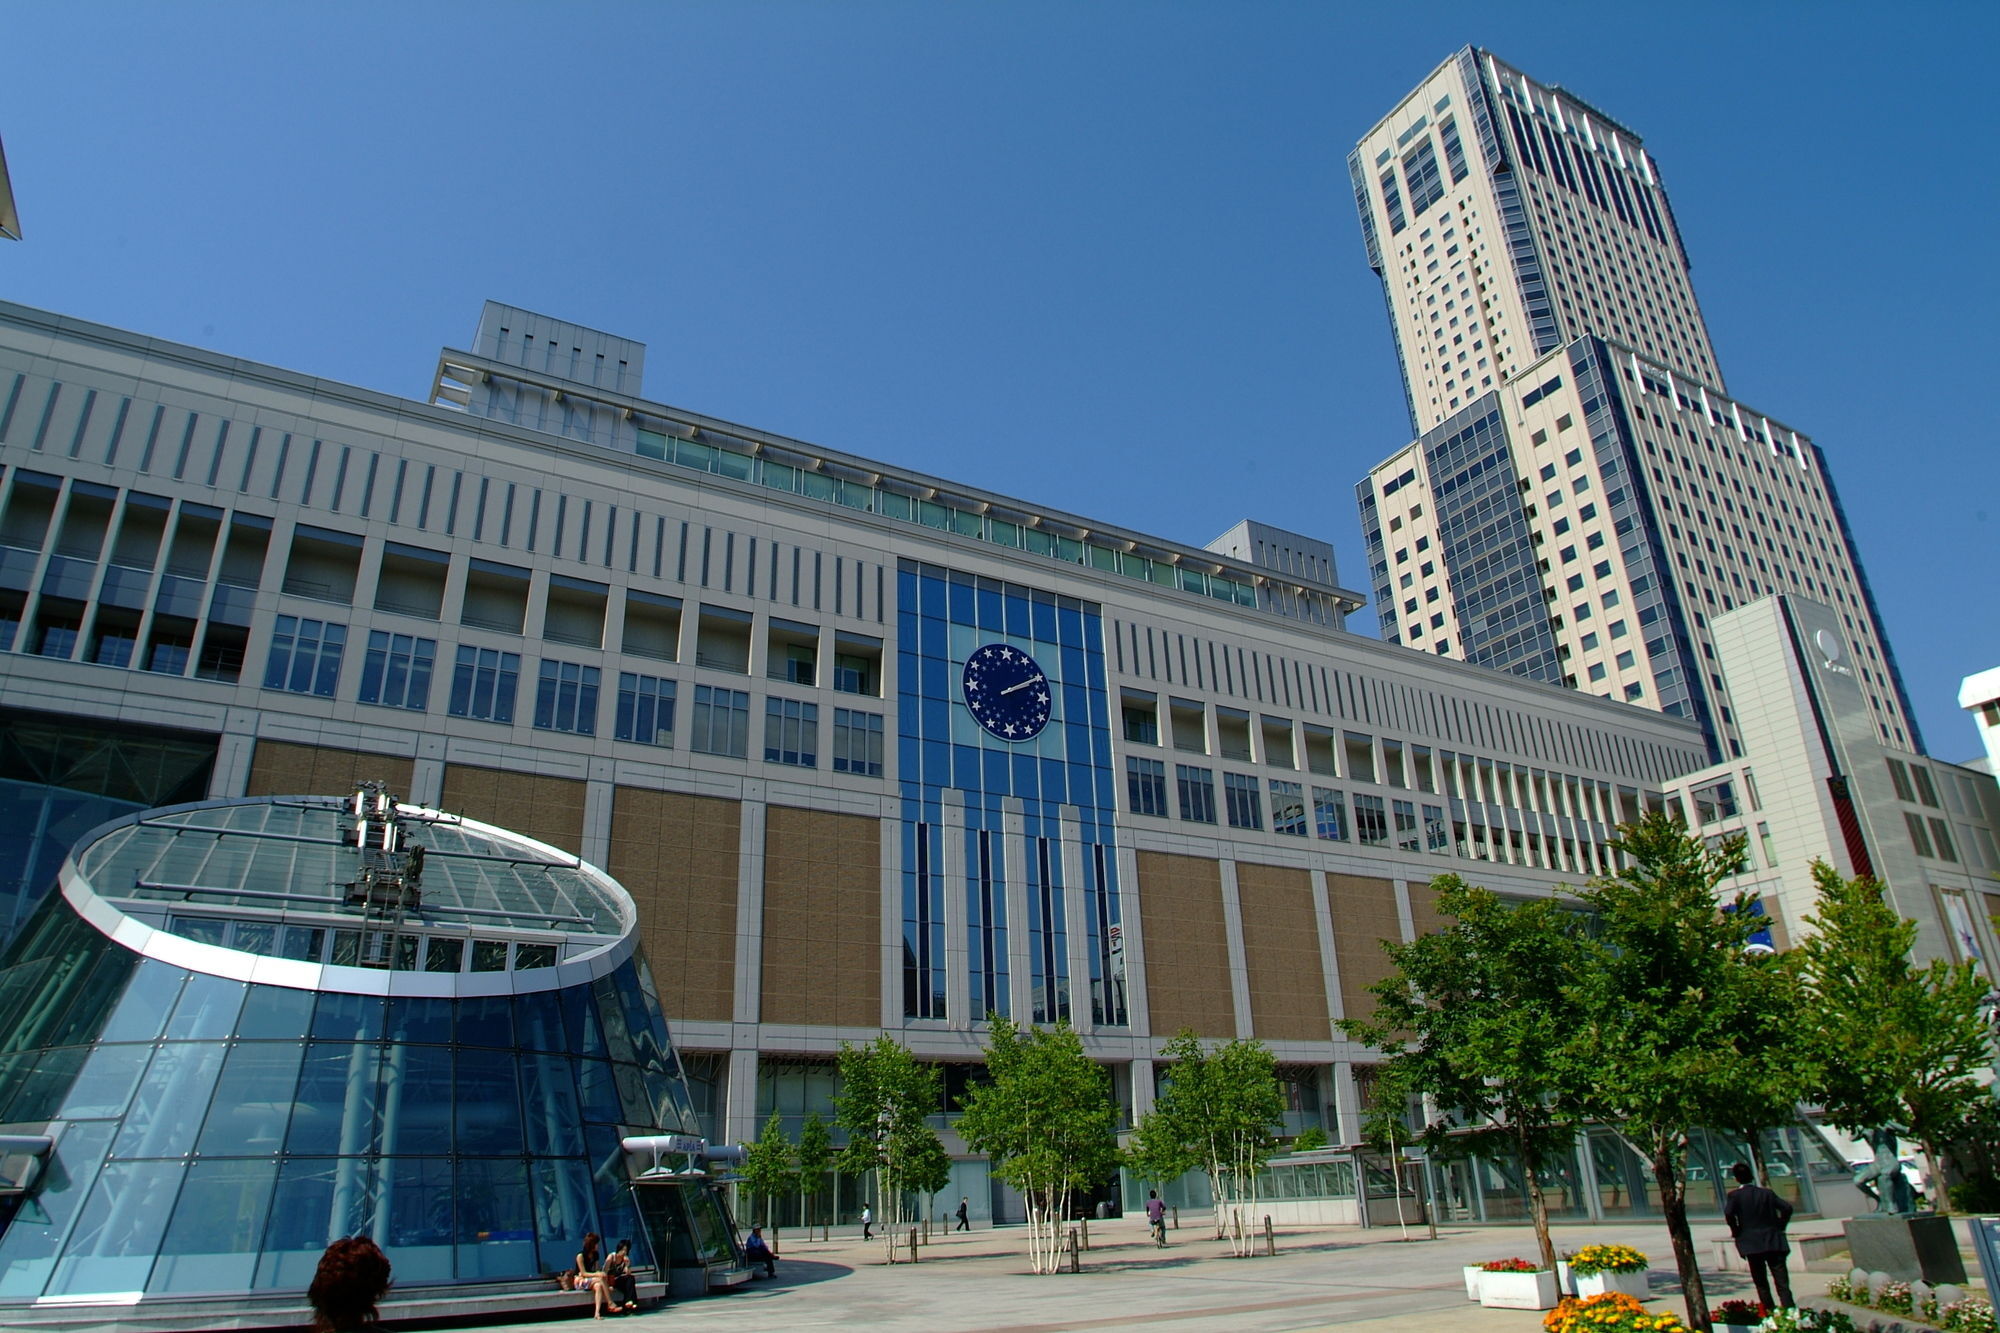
(1518, 1291)
(1596, 1284)
(1473, 1274)
(1565, 1279)
(1720, 1327)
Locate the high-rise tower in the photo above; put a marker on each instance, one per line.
(1583, 495)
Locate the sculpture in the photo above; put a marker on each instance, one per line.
(1883, 1178)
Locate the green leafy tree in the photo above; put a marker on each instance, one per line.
(1478, 1020)
(1662, 1008)
(768, 1170)
(1896, 1043)
(1217, 1114)
(814, 1160)
(1048, 1122)
(886, 1094)
(1310, 1138)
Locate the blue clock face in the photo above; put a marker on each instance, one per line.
(1006, 692)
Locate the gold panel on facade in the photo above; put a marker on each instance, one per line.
(1281, 947)
(1424, 918)
(546, 809)
(678, 856)
(822, 918)
(1364, 914)
(283, 768)
(1187, 947)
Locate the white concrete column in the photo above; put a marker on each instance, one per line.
(747, 1002)
(1232, 933)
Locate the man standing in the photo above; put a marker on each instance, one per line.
(963, 1225)
(1156, 1218)
(867, 1221)
(1757, 1218)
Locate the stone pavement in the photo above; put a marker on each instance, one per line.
(1321, 1277)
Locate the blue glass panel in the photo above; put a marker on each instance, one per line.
(959, 597)
(1021, 781)
(47, 1081)
(336, 1099)
(1043, 617)
(609, 1182)
(208, 1009)
(275, 1012)
(562, 1209)
(318, 1199)
(341, 1017)
(148, 999)
(1055, 783)
(486, 1020)
(933, 598)
(164, 1121)
(993, 773)
(598, 1092)
(935, 683)
(586, 1034)
(965, 766)
(496, 1227)
(611, 1013)
(991, 618)
(253, 1100)
(933, 640)
(104, 1088)
(218, 1224)
(632, 1096)
(538, 1021)
(28, 1245)
(906, 588)
(553, 1115)
(1014, 608)
(906, 670)
(416, 1204)
(489, 1107)
(119, 1230)
(1069, 627)
(416, 1088)
(420, 1019)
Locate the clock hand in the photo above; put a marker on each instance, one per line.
(1032, 680)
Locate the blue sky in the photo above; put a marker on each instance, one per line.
(1101, 256)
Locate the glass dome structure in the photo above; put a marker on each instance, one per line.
(241, 1029)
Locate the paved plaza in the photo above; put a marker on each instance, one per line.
(1366, 1281)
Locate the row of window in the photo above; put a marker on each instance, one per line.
(485, 683)
(1324, 815)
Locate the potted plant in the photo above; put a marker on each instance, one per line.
(1613, 1312)
(1473, 1273)
(1737, 1316)
(1517, 1284)
(1602, 1268)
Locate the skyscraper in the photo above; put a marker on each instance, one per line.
(1583, 494)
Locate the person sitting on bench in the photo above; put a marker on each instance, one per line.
(757, 1252)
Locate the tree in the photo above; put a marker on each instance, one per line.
(768, 1171)
(886, 1095)
(1312, 1137)
(813, 1159)
(1478, 1019)
(1048, 1122)
(1894, 1043)
(1216, 1115)
(1662, 1008)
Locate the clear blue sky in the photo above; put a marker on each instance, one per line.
(1102, 256)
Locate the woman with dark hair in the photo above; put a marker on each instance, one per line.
(353, 1275)
(589, 1273)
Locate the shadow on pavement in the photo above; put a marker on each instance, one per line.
(791, 1273)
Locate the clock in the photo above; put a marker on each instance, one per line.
(1007, 692)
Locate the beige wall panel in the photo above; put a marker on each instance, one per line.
(822, 918)
(1424, 916)
(677, 856)
(1281, 946)
(546, 809)
(281, 768)
(1187, 948)
(1364, 914)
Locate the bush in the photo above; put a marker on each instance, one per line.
(1613, 1312)
(1510, 1266)
(1738, 1312)
(1981, 1194)
(1594, 1259)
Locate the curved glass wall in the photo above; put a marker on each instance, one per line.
(213, 1134)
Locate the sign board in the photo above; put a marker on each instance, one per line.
(1986, 1244)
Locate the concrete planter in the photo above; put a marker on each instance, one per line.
(1473, 1274)
(1518, 1291)
(1596, 1284)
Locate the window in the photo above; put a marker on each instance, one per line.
(645, 709)
(1329, 815)
(1437, 834)
(1406, 826)
(1142, 720)
(1245, 803)
(483, 683)
(791, 732)
(1197, 791)
(1146, 786)
(1288, 808)
(305, 656)
(566, 698)
(1371, 820)
(1919, 838)
(857, 742)
(397, 671)
(721, 722)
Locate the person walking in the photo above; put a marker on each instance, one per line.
(1757, 1217)
(1156, 1218)
(963, 1224)
(867, 1221)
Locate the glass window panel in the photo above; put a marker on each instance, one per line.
(149, 997)
(444, 955)
(538, 1021)
(305, 943)
(486, 1020)
(342, 1017)
(29, 1244)
(560, 1197)
(598, 1092)
(212, 1243)
(489, 1107)
(41, 1091)
(489, 955)
(420, 1019)
(416, 1204)
(276, 1012)
(553, 1114)
(615, 1215)
(317, 1200)
(178, 1083)
(496, 1225)
(335, 1106)
(253, 1100)
(416, 1082)
(119, 1230)
(104, 1088)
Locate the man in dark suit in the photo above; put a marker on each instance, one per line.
(1757, 1218)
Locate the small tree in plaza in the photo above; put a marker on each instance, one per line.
(885, 1098)
(1893, 1042)
(813, 1159)
(1217, 1114)
(1047, 1120)
(1478, 1018)
(768, 1171)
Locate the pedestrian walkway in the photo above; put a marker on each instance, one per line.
(1328, 1277)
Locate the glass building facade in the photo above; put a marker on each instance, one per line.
(252, 1027)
